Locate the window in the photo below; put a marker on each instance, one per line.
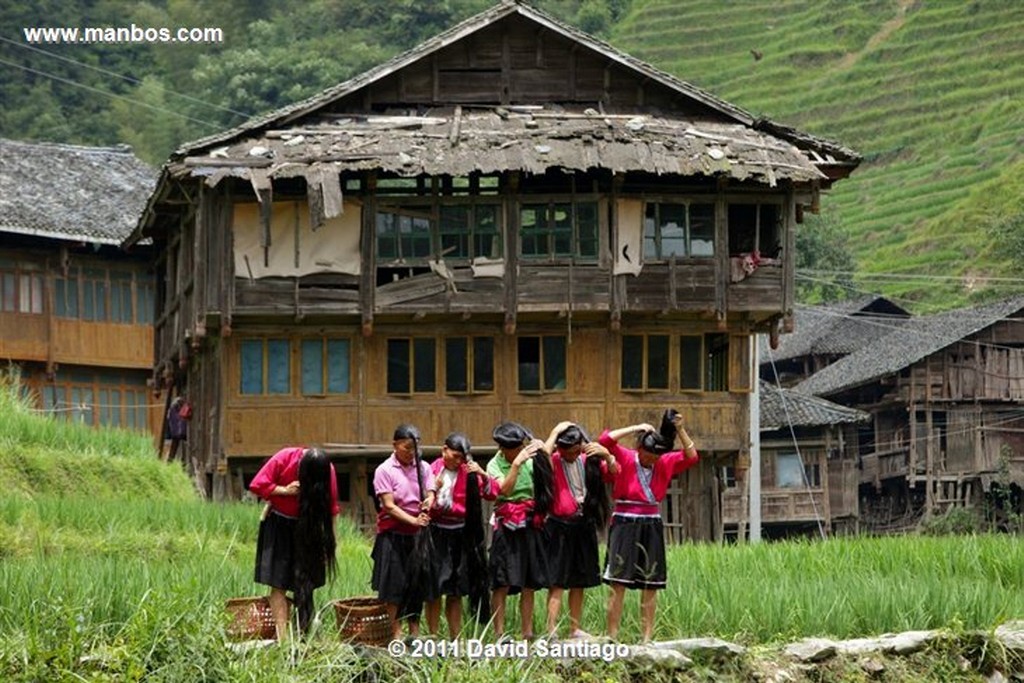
(678, 230)
(21, 288)
(404, 233)
(704, 362)
(559, 229)
(265, 366)
(755, 227)
(412, 366)
(791, 473)
(325, 366)
(145, 306)
(729, 477)
(645, 361)
(107, 399)
(94, 295)
(121, 297)
(469, 364)
(542, 363)
(469, 231)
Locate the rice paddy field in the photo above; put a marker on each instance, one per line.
(119, 573)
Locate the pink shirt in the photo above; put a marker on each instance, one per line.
(631, 494)
(391, 476)
(281, 470)
(565, 504)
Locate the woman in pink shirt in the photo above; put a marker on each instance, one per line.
(295, 548)
(403, 513)
(580, 469)
(457, 529)
(636, 539)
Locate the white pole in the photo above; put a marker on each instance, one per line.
(754, 475)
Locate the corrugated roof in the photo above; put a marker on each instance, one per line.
(782, 407)
(90, 194)
(914, 340)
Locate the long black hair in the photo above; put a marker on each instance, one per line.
(596, 502)
(475, 536)
(543, 482)
(661, 441)
(315, 544)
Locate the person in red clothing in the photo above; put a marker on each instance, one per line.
(580, 508)
(636, 539)
(458, 484)
(296, 544)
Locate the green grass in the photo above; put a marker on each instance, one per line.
(934, 107)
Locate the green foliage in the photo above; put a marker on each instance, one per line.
(824, 261)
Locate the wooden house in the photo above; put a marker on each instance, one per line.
(944, 392)
(513, 220)
(809, 468)
(76, 311)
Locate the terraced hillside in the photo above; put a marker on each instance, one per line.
(930, 92)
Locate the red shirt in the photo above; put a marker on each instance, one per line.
(456, 514)
(629, 492)
(281, 470)
(565, 504)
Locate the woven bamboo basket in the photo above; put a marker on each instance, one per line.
(251, 619)
(363, 620)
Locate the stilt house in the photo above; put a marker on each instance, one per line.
(513, 220)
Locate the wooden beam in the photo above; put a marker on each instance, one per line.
(368, 255)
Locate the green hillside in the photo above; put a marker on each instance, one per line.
(929, 92)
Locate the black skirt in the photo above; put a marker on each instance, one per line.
(572, 553)
(275, 552)
(636, 552)
(449, 561)
(518, 559)
(392, 555)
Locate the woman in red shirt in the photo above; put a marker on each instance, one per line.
(636, 539)
(295, 548)
(456, 525)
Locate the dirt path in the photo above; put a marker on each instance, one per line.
(881, 36)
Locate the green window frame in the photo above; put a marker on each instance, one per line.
(683, 229)
(468, 231)
(559, 229)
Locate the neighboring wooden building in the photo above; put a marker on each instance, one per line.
(809, 468)
(824, 334)
(76, 311)
(945, 393)
(512, 220)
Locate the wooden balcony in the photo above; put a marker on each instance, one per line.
(778, 506)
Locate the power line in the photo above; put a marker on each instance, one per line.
(110, 94)
(122, 76)
(909, 277)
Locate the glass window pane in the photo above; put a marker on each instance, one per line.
(529, 363)
(398, 366)
(483, 364)
(9, 291)
(651, 231)
(587, 229)
(702, 229)
(690, 352)
(115, 407)
(312, 366)
(59, 308)
(657, 361)
(788, 471)
(554, 363)
(455, 232)
(487, 232)
(252, 366)
(386, 238)
(673, 230)
(88, 298)
(338, 370)
(37, 293)
(72, 298)
(278, 371)
(101, 300)
(424, 365)
(532, 228)
(717, 349)
(632, 361)
(563, 229)
(455, 365)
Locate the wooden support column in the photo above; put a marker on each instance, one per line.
(368, 253)
(789, 256)
(721, 252)
(511, 280)
(618, 282)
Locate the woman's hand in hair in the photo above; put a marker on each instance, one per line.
(423, 519)
(593, 448)
(474, 468)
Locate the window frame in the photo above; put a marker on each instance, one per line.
(265, 365)
(325, 363)
(542, 365)
(550, 202)
(410, 365)
(686, 203)
(645, 362)
(471, 353)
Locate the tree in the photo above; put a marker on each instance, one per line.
(823, 253)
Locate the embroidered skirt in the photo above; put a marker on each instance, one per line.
(636, 552)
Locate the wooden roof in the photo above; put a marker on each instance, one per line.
(84, 194)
